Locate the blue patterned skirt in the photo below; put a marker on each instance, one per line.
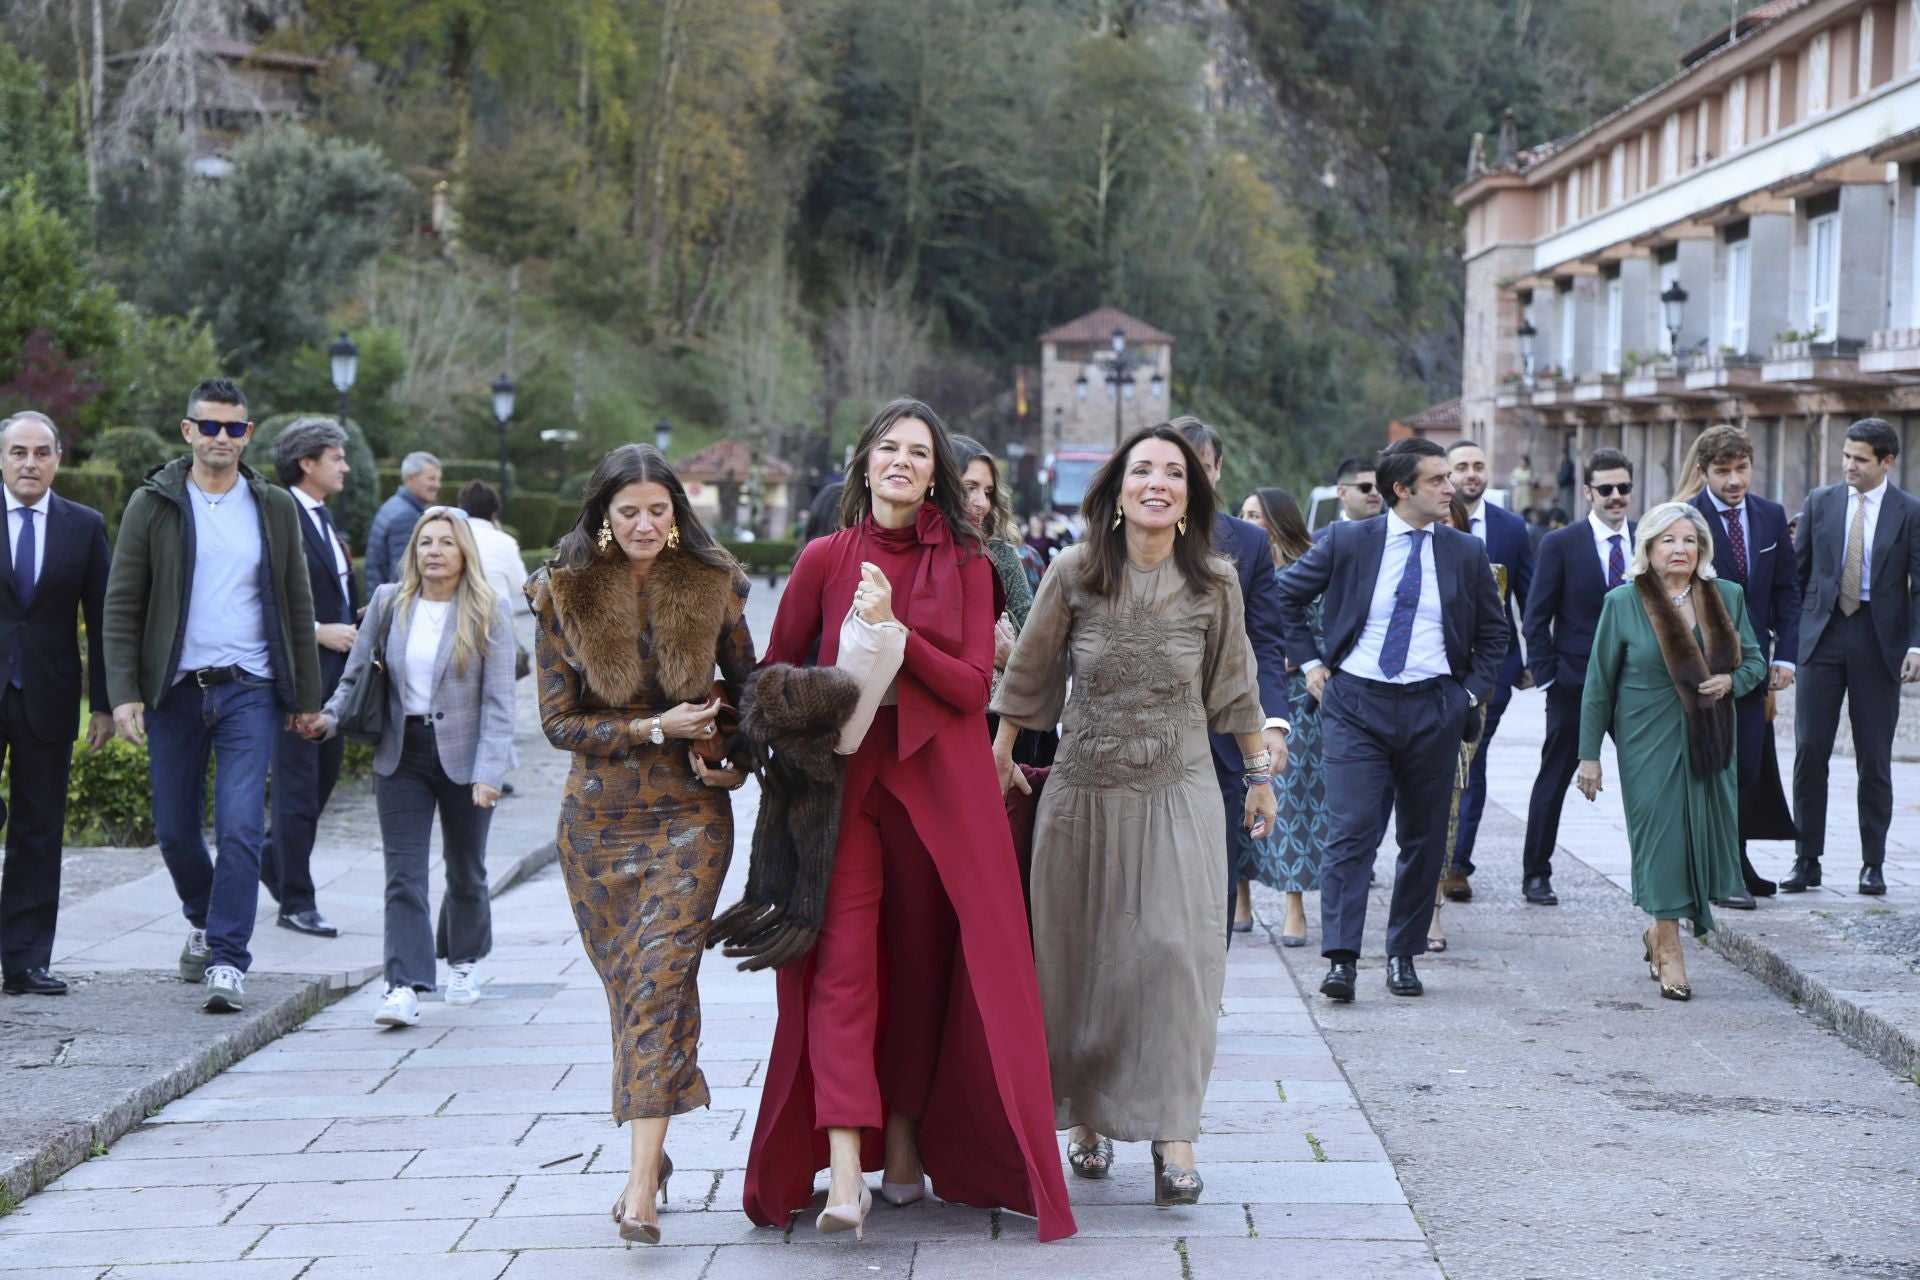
(1289, 858)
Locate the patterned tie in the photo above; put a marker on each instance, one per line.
(1406, 601)
(1737, 539)
(1616, 563)
(23, 583)
(1850, 568)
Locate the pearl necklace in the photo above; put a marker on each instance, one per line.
(1682, 597)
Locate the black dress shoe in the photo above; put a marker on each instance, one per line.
(1457, 888)
(308, 922)
(1758, 886)
(1872, 883)
(1741, 901)
(34, 982)
(1338, 984)
(1540, 892)
(1805, 875)
(1401, 979)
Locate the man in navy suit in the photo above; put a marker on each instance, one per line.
(1413, 639)
(1858, 570)
(1578, 565)
(1751, 547)
(1505, 536)
(310, 456)
(1246, 545)
(54, 566)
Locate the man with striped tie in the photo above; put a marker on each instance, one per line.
(1413, 637)
(1573, 572)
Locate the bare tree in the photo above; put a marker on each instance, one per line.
(875, 340)
(175, 78)
(440, 317)
(769, 371)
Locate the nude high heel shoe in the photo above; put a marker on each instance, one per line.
(902, 1194)
(632, 1230)
(836, 1218)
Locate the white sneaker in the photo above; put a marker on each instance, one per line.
(401, 1008)
(193, 957)
(226, 993)
(461, 988)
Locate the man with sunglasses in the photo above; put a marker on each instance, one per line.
(209, 640)
(1353, 485)
(1751, 546)
(1576, 567)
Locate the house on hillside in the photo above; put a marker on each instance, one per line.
(731, 485)
(233, 86)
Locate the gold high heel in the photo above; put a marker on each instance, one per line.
(1655, 968)
(632, 1230)
(836, 1218)
(1167, 1177)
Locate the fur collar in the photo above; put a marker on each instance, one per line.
(686, 609)
(1709, 724)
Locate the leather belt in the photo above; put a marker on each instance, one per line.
(207, 677)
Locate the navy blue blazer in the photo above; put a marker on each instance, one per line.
(1246, 545)
(1343, 566)
(1773, 591)
(1564, 606)
(329, 604)
(73, 576)
(1508, 543)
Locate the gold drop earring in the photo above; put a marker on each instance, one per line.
(605, 537)
(673, 535)
(1117, 518)
(1181, 524)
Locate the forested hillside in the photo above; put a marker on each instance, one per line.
(760, 217)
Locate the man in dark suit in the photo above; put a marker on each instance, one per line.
(1576, 568)
(55, 563)
(1504, 535)
(1246, 545)
(310, 456)
(1413, 640)
(1858, 568)
(1751, 547)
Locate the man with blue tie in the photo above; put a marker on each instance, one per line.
(1751, 547)
(1577, 566)
(1505, 537)
(1413, 638)
(54, 570)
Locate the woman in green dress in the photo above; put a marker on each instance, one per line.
(1672, 652)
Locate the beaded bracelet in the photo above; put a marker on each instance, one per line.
(1259, 779)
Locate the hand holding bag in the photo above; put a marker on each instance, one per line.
(363, 716)
(871, 653)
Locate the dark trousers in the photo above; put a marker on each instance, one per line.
(304, 774)
(1847, 662)
(407, 800)
(1398, 740)
(1559, 761)
(35, 814)
(1474, 802)
(232, 724)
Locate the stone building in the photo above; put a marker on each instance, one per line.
(1739, 244)
(1101, 376)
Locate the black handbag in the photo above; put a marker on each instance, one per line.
(363, 716)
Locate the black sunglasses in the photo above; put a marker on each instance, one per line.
(1364, 486)
(208, 427)
(1608, 490)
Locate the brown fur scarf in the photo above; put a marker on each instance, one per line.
(790, 718)
(686, 609)
(1709, 724)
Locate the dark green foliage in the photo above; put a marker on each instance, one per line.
(95, 485)
(133, 452)
(769, 555)
(455, 472)
(58, 328)
(304, 376)
(355, 506)
(37, 142)
(109, 800)
(161, 357)
(531, 516)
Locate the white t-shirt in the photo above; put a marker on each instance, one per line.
(423, 648)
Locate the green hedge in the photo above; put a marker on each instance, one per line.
(95, 485)
(133, 452)
(362, 496)
(769, 555)
(532, 517)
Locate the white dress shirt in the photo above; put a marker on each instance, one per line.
(1477, 520)
(15, 520)
(1738, 515)
(1873, 498)
(1427, 648)
(312, 505)
(501, 561)
(1602, 543)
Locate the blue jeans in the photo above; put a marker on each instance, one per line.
(235, 723)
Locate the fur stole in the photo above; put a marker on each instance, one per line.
(686, 610)
(1709, 723)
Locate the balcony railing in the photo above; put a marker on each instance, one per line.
(1834, 363)
(1892, 351)
(1725, 373)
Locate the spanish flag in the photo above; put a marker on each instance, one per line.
(1020, 393)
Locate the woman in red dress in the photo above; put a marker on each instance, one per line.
(911, 1041)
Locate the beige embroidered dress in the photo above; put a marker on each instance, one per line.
(1129, 871)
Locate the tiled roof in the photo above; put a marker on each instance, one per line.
(232, 50)
(1098, 326)
(1444, 416)
(730, 459)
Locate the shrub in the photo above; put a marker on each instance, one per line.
(358, 501)
(93, 485)
(133, 452)
(770, 555)
(455, 472)
(108, 798)
(532, 516)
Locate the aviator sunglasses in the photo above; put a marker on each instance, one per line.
(210, 428)
(1364, 486)
(1608, 490)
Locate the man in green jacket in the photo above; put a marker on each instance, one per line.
(208, 632)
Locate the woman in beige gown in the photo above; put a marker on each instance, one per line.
(1128, 875)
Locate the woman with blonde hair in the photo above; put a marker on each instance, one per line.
(446, 642)
(1672, 652)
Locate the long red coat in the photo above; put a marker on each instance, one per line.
(987, 1137)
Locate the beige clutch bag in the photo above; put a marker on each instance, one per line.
(872, 654)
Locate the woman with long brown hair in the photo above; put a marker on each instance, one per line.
(637, 606)
(1289, 859)
(1127, 874)
(911, 1039)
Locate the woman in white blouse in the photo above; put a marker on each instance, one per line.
(446, 641)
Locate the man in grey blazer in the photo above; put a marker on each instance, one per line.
(1859, 570)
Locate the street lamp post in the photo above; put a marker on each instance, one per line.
(663, 436)
(1117, 372)
(1673, 309)
(1526, 335)
(503, 413)
(345, 359)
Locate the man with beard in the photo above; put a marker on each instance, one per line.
(1578, 565)
(1505, 536)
